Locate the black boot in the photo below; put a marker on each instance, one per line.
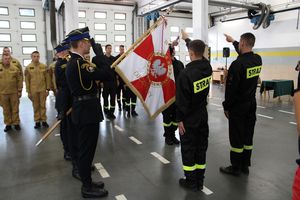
(7, 128)
(169, 140)
(93, 192)
(75, 173)
(231, 170)
(98, 184)
(37, 125)
(188, 184)
(175, 140)
(17, 127)
(134, 114)
(45, 124)
(245, 170)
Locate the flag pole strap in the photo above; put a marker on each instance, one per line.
(51, 129)
(157, 23)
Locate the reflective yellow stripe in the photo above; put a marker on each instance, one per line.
(189, 168)
(105, 107)
(127, 104)
(174, 124)
(133, 103)
(248, 147)
(253, 71)
(201, 84)
(200, 166)
(236, 150)
(167, 125)
(112, 106)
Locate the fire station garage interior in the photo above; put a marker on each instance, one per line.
(132, 156)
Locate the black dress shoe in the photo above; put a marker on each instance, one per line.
(75, 174)
(134, 114)
(7, 128)
(98, 184)
(169, 141)
(37, 125)
(128, 114)
(188, 184)
(112, 116)
(45, 124)
(17, 127)
(93, 192)
(231, 170)
(93, 168)
(175, 140)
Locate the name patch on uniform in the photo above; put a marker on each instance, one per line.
(201, 84)
(253, 71)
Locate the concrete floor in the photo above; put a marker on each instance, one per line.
(34, 173)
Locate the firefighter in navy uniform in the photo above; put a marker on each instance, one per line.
(169, 114)
(63, 95)
(121, 84)
(86, 110)
(192, 89)
(240, 103)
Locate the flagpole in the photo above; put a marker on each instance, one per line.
(51, 129)
(157, 23)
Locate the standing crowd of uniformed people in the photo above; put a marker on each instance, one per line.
(78, 84)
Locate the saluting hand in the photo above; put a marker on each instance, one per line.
(181, 128)
(184, 35)
(229, 38)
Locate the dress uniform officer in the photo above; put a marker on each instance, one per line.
(37, 80)
(120, 88)
(63, 97)
(10, 91)
(53, 86)
(86, 110)
(240, 103)
(192, 89)
(169, 114)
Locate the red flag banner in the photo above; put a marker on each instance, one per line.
(147, 69)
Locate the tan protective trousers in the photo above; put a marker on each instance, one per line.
(10, 104)
(39, 106)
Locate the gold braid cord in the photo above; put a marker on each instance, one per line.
(84, 66)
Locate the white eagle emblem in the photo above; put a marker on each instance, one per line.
(158, 68)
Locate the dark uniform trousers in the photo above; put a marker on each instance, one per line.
(169, 121)
(130, 100)
(109, 91)
(194, 145)
(242, 118)
(121, 98)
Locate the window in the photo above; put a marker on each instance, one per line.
(174, 29)
(120, 38)
(176, 48)
(177, 57)
(28, 50)
(81, 25)
(189, 29)
(26, 62)
(1, 50)
(187, 58)
(28, 37)
(121, 16)
(27, 25)
(100, 15)
(100, 26)
(4, 37)
(120, 27)
(27, 12)
(3, 11)
(173, 38)
(4, 24)
(100, 38)
(81, 14)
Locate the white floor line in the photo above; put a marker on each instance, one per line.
(119, 128)
(283, 111)
(261, 107)
(101, 170)
(294, 123)
(214, 104)
(265, 116)
(135, 140)
(120, 197)
(160, 158)
(206, 191)
(57, 135)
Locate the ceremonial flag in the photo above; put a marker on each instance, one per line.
(147, 69)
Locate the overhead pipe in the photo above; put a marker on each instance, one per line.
(233, 4)
(159, 7)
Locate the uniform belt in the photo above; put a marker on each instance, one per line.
(86, 97)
